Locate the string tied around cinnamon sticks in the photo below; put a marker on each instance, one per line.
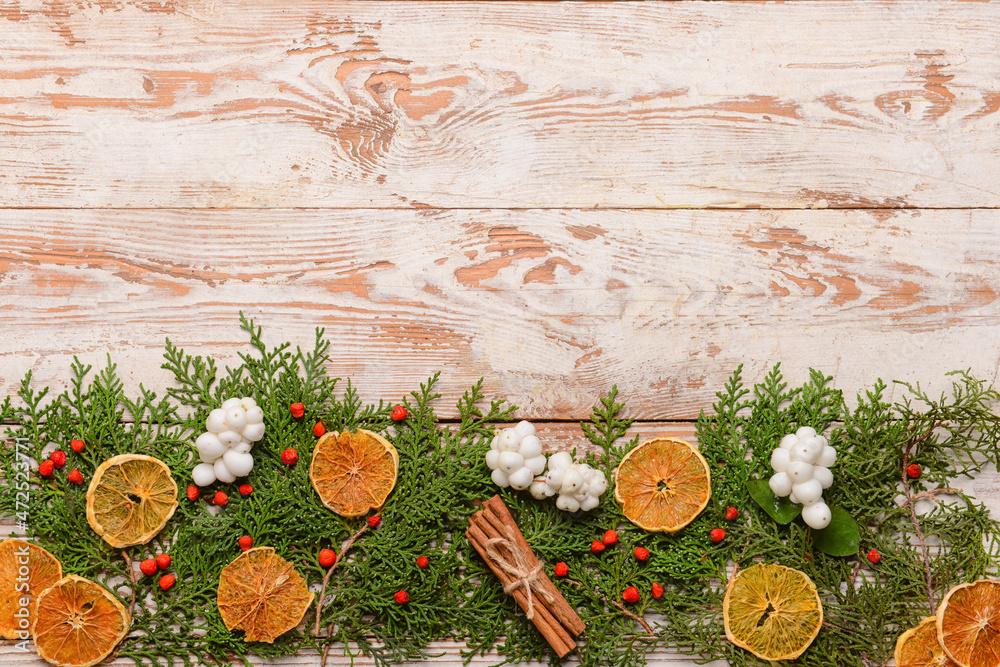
(518, 566)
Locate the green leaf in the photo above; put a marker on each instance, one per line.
(780, 509)
(841, 538)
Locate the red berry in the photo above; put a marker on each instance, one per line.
(874, 557)
(166, 581)
(422, 562)
(77, 445)
(220, 498)
(75, 476)
(610, 537)
(717, 534)
(245, 542)
(631, 594)
(402, 597)
(596, 546)
(46, 467)
(642, 553)
(398, 413)
(163, 561)
(297, 409)
(374, 521)
(193, 493)
(657, 591)
(732, 513)
(246, 489)
(319, 429)
(913, 471)
(289, 457)
(148, 567)
(327, 557)
(562, 569)
(58, 458)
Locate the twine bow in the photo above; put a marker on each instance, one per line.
(519, 567)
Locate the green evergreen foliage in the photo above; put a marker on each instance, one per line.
(442, 480)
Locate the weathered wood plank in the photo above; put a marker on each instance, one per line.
(394, 104)
(551, 307)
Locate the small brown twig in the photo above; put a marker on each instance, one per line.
(326, 579)
(930, 494)
(910, 501)
(326, 649)
(635, 617)
(134, 578)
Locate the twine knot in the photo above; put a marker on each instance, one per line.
(519, 567)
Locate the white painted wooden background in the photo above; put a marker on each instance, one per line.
(557, 197)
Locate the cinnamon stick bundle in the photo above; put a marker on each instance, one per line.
(495, 536)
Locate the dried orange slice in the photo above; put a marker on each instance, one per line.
(772, 611)
(663, 484)
(78, 623)
(25, 571)
(968, 624)
(919, 647)
(261, 594)
(130, 499)
(353, 472)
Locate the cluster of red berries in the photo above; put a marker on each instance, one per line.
(610, 538)
(150, 566)
(631, 594)
(57, 459)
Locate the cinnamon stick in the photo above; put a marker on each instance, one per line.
(498, 514)
(555, 634)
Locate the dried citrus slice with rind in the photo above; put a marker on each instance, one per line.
(261, 594)
(26, 570)
(130, 499)
(353, 472)
(772, 611)
(968, 624)
(919, 647)
(663, 484)
(78, 623)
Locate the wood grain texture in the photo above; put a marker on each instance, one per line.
(551, 307)
(199, 103)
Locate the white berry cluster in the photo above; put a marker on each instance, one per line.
(515, 457)
(801, 465)
(579, 486)
(225, 449)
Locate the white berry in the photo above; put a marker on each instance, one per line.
(817, 515)
(216, 422)
(247, 403)
(800, 471)
(567, 503)
(823, 476)
(238, 464)
(253, 432)
(524, 428)
(230, 438)
(808, 492)
(230, 403)
(828, 457)
(255, 415)
(539, 490)
(806, 432)
(536, 465)
(509, 440)
(589, 503)
(572, 481)
(560, 460)
(520, 479)
(203, 474)
(781, 484)
(555, 477)
(788, 441)
(779, 460)
(492, 457)
(209, 447)
(509, 462)
(499, 478)
(530, 447)
(222, 473)
(243, 446)
(236, 418)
